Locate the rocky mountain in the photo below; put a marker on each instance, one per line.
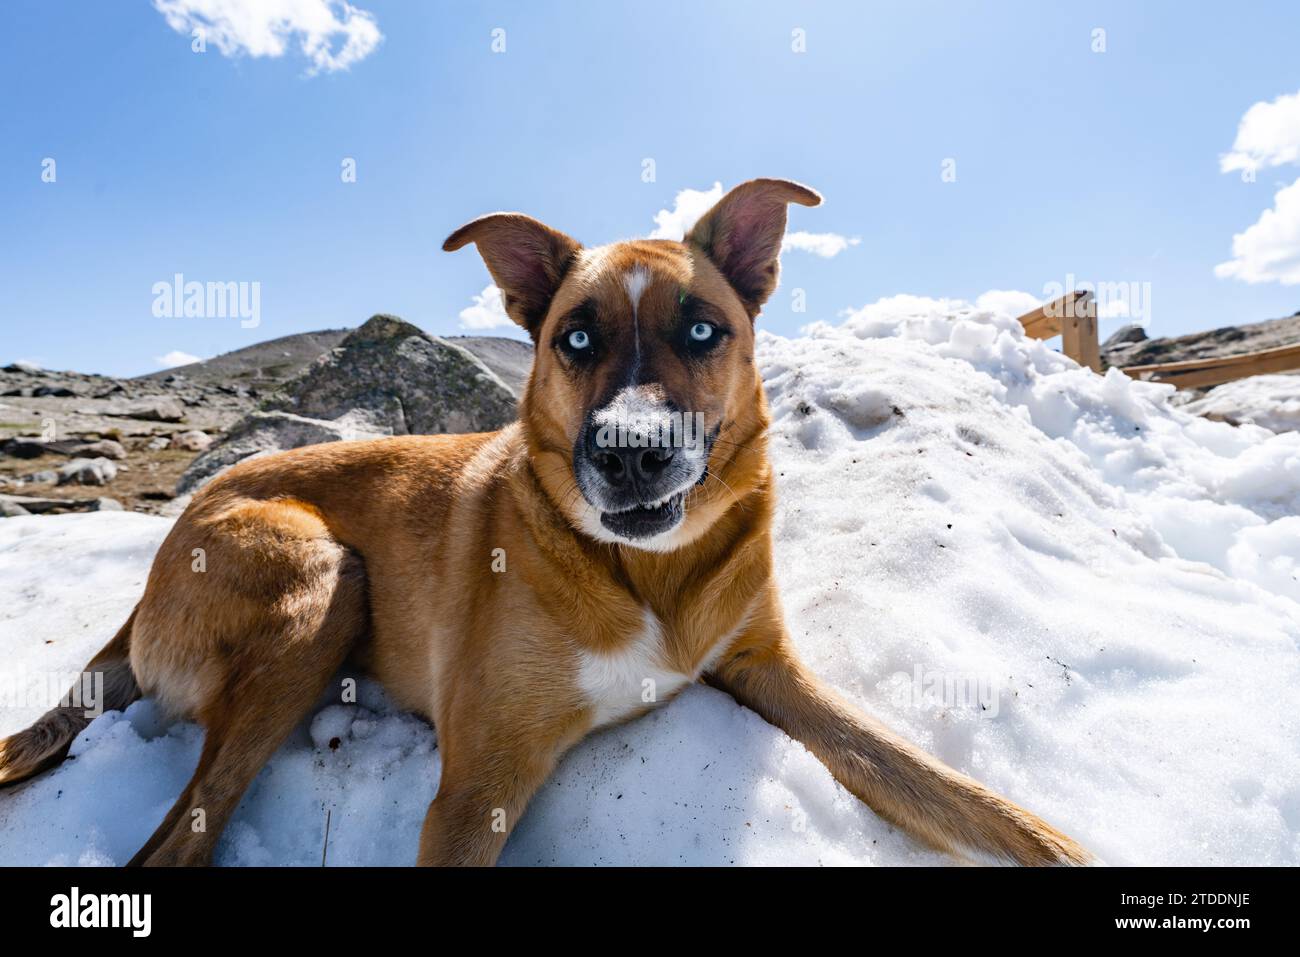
(265, 366)
(262, 366)
(157, 423)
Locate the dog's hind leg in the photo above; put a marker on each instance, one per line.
(262, 682)
(897, 780)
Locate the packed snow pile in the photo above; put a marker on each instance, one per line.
(1271, 401)
(1053, 580)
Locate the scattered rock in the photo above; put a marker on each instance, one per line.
(155, 409)
(191, 441)
(21, 448)
(43, 477)
(436, 387)
(15, 505)
(107, 448)
(175, 507)
(99, 471)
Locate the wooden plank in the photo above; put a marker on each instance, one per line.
(1194, 373)
(1046, 321)
(1079, 338)
(1041, 326)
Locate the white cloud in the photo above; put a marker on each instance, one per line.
(688, 206)
(1268, 135)
(826, 245)
(1269, 250)
(175, 358)
(488, 311)
(333, 34)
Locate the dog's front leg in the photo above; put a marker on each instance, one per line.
(897, 780)
(487, 781)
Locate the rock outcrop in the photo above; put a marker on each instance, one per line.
(385, 378)
(1129, 346)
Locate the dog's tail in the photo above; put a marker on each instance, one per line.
(899, 781)
(46, 743)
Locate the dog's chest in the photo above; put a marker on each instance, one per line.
(639, 674)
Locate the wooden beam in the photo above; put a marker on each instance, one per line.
(1079, 338)
(1194, 373)
(1045, 321)
(1073, 317)
(1039, 325)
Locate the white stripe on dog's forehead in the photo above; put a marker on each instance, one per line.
(635, 281)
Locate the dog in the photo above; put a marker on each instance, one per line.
(522, 588)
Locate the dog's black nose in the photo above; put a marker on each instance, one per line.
(621, 464)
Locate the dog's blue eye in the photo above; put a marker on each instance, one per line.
(702, 332)
(578, 339)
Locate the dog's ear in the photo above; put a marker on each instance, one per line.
(527, 260)
(742, 235)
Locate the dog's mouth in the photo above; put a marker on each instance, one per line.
(646, 521)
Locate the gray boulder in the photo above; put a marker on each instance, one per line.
(154, 409)
(385, 378)
(108, 448)
(262, 433)
(194, 440)
(14, 506)
(97, 471)
(1125, 335)
(411, 382)
(24, 448)
(43, 477)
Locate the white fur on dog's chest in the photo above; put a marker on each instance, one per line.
(637, 675)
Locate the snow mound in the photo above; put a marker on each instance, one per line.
(1269, 401)
(1055, 581)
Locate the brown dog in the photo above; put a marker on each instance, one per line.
(523, 587)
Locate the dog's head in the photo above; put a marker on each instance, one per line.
(643, 386)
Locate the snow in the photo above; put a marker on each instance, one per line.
(1270, 401)
(1055, 581)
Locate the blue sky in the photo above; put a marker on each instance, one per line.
(225, 168)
